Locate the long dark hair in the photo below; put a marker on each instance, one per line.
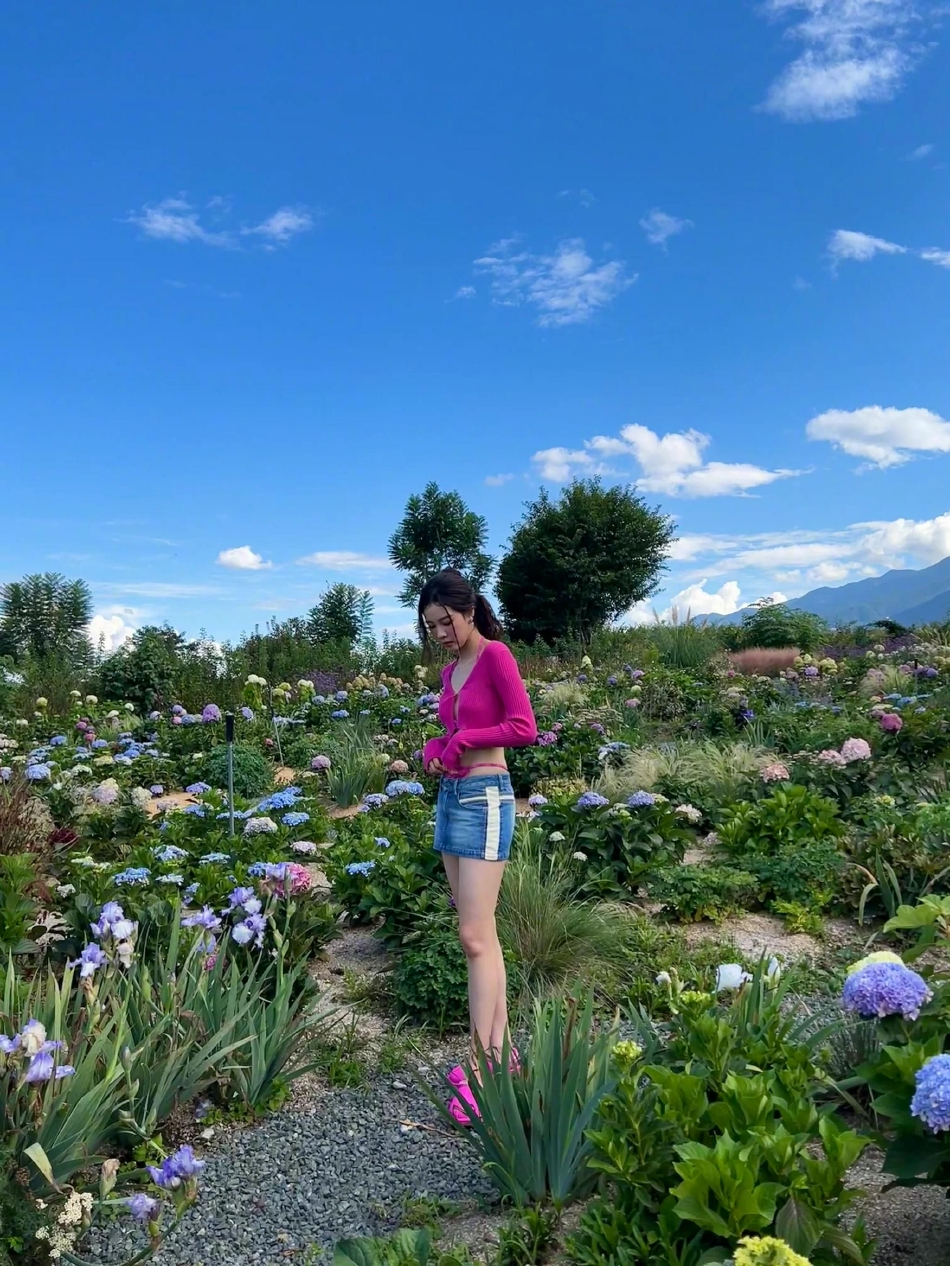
(450, 589)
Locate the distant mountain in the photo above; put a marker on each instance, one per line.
(909, 597)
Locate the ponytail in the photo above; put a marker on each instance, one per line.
(485, 619)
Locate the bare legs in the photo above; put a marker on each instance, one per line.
(475, 886)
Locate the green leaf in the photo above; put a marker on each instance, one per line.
(798, 1226)
(41, 1161)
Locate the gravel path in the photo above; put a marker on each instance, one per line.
(298, 1179)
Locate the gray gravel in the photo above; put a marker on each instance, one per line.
(300, 1179)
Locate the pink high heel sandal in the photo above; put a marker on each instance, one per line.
(463, 1115)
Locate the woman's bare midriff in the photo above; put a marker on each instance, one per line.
(484, 760)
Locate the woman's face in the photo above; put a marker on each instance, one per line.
(451, 629)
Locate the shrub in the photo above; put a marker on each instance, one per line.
(252, 773)
(789, 818)
(430, 980)
(693, 893)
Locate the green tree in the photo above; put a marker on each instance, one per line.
(343, 614)
(772, 624)
(42, 615)
(439, 530)
(576, 564)
(143, 671)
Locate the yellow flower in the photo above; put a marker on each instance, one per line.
(627, 1053)
(879, 956)
(765, 1250)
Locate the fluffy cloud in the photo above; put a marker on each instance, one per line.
(933, 255)
(498, 481)
(109, 629)
(884, 436)
(659, 226)
(671, 464)
(242, 558)
(853, 52)
(565, 288)
(345, 560)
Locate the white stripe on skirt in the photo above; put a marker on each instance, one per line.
(493, 829)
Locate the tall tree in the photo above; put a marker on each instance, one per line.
(439, 530)
(578, 563)
(343, 614)
(44, 614)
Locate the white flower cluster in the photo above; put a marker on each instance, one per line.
(74, 1215)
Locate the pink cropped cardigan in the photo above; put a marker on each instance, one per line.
(493, 710)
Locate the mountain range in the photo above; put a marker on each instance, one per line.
(905, 596)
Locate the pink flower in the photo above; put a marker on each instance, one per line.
(891, 723)
(830, 757)
(320, 762)
(398, 767)
(632, 703)
(775, 773)
(176, 720)
(855, 749)
(268, 742)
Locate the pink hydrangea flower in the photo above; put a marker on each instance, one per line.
(632, 703)
(855, 749)
(398, 767)
(831, 757)
(891, 723)
(775, 773)
(320, 762)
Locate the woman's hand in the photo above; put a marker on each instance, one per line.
(435, 766)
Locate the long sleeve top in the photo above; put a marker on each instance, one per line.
(492, 709)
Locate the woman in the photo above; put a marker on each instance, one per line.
(484, 708)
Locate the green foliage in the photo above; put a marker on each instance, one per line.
(684, 643)
(790, 818)
(694, 893)
(253, 775)
(405, 1248)
(344, 615)
(620, 845)
(713, 1133)
(578, 563)
(357, 768)
(430, 980)
(808, 875)
(711, 775)
(530, 1132)
(18, 907)
(527, 1237)
(438, 530)
(775, 625)
(143, 670)
(43, 615)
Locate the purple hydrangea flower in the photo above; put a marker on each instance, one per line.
(400, 787)
(931, 1101)
(883, 989)
(211, 712)
(320, 762)
(374, 800)
(547, 738)
(537, 801)
(641, 800)
(247, 713)
(591, 800)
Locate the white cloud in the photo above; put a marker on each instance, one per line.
(885, 436)
(566, 288)
(694, 600)
(846, 244)
(921, 151)
(659, 226)
(465, 292)
(583, 196)
(175, 220)
(686, 547)
(345, 560)
(829, 573)
(155, 589)
(933, 255)
(498, 481)
(853, 52)
(242, 558)
(109, 628)
(926, 541)
(671, 464)
(283, 225)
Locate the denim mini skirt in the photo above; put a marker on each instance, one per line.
(475, 817)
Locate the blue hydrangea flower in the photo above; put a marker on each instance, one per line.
(360, 868)
(295, 819)
(591, 800)
(400, 787)
(214, 859)
(341, 695)
(340, 714)
(169, 853)
(198, 788)
(247, 714)
(195, 810)
(58, 740)
(641, 800)
(284, 799)
(98, 744)
(374, 800)
(381, 842)
(38, 772)
(132, 877)
(931, 1101)
(537, 801)
(883, 989)
(175, 880)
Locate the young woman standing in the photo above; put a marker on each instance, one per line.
(485, 708)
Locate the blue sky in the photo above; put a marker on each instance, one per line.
(268, 269)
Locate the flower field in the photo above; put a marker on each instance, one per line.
(687, 1094)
